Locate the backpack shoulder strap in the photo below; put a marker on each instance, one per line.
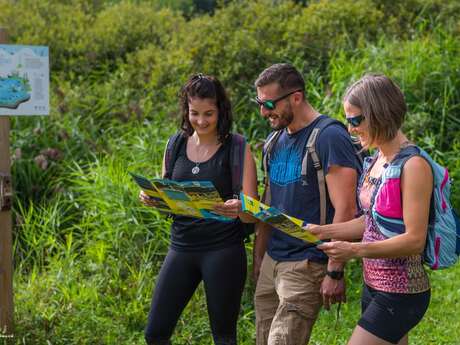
(266, 154)
(268, 146)
(405, 153)
(237, 157)
(368, 163)
(311, 142)
(311, 150)
(410, 151)
(172, 149)
(321, 124)
(393, 170)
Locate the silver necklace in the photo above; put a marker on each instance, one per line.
(196, 168)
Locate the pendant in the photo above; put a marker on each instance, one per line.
(195, 170)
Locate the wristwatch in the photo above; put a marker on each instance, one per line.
(337, 275)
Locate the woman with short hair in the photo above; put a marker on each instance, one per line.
(396, 290)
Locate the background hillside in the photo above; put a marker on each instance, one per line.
(86, 252)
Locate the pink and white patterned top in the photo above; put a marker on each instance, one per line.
(395, 275)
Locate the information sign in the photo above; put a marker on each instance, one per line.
(24, 80)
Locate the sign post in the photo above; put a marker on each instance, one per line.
(24, 90)
(6, 234)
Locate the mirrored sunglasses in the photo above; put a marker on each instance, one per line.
(270, 104)
(355, 121)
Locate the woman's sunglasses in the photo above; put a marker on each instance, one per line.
(355, 121)
(270, 104)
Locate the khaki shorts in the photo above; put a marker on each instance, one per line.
(287, 301)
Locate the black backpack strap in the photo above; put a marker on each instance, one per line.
(237, 157)
(172, 150)
(311, 151)
(266, 154)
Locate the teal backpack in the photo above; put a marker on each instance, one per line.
(442, 247)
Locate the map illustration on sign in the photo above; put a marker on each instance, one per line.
(14, 90)
(24, 80)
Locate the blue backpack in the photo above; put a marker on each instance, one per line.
(442, 247)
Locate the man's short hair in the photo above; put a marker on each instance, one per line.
(284, 74)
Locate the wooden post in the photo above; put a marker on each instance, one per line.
(6, 235)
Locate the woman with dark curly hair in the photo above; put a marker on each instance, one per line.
(201, 249)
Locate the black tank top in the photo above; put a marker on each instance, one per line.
(193, 234)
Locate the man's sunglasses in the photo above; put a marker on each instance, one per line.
(355, 121)
(270, 104)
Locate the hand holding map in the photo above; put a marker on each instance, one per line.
(197, 199)
(290, 225)
(231, 208)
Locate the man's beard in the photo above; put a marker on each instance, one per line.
(284, 120)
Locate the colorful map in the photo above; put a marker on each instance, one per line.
(188, 198)
(271, 215)
(14, 90)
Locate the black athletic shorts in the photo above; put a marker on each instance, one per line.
(390, 316)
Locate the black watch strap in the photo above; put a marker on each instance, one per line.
(337, 275)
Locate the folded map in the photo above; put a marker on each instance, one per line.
(288, 224)
(187, 198)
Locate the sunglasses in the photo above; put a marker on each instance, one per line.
(355, 121)
(270, 104)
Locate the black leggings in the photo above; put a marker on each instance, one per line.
(223, 272)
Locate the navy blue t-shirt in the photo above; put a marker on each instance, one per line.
(298, 199)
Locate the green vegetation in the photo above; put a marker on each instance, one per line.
(86, 252)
